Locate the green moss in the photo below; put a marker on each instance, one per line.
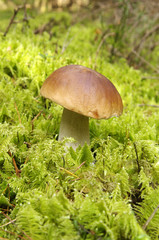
(90, 193)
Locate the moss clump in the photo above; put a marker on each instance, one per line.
(107, 190)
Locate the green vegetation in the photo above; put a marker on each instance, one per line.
(107, 190)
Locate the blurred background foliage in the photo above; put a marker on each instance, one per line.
(128, 28)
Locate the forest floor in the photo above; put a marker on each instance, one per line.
(110, 189)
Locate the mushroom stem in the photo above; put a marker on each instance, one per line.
(76, 126)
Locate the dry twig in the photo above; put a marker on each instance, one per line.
(32, 122)
(25, 19)
(150, 218)
(15, 165)
(146, 62)
(70, 173)
(80, 166)
(12, 233)
(10, 222)
(46, 27)
(66, 42)
(104, 37)
(28, 237)
(149, 77)
(143, 39)
(147, 35)
(148, 105)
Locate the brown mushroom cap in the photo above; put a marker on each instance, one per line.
(83, 90)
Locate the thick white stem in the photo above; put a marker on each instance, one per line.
(76, 126)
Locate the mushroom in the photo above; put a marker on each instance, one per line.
(83, 93)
